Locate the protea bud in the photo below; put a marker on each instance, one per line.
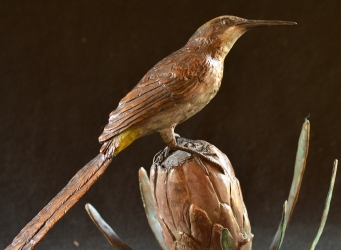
(194, 200)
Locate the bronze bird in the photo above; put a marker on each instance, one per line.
(175, 89)
(178, 86)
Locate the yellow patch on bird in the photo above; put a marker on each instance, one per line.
(124, 139)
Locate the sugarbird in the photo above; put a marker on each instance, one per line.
(175, 89)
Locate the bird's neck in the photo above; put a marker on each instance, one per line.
(218, 45)
(227, 40)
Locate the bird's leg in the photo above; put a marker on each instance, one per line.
(197, 147)
(168, 137)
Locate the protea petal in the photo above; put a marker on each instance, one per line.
(237, 203)
(162, 201)
(215, 237)
(200, 225)
(202, 192)
(186, 242)
(168, 237)
(247, 225)
(229, 221)
(178, 197)
(220, 183)
(152, 180)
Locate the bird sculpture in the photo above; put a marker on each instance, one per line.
(178, 86)
(175, 89)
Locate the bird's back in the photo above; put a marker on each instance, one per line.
(172, 81)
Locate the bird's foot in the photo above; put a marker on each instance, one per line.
(201, 148)
(176, 135)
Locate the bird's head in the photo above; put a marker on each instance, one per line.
(222, 32)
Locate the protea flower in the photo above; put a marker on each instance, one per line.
(197, 204)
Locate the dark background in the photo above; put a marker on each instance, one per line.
(64, 66)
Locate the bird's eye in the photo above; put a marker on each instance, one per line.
(224, 22)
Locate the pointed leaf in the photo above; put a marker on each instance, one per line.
(226, 240)
(326, 208)
(147, 200)
(300, 163)
(282, 226)
(106, 230)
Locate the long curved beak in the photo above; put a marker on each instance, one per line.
(258, 23)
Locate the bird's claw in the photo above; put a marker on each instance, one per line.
(201, 148)
(176, 135)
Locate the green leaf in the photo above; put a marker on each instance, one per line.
(226, 240)
(106, 230)
(283, 226)
(147, 200)
(326, 208)
(300, 163)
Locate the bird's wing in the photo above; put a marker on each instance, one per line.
(160, 89)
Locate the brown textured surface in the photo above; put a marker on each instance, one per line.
(187, 202)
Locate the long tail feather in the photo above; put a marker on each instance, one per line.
(37, 228)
